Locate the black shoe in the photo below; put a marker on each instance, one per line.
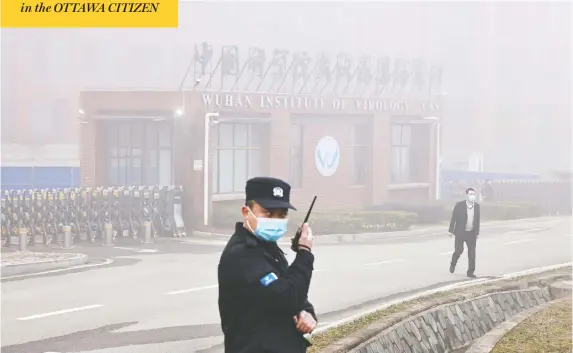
(452, 268)
(471, 275)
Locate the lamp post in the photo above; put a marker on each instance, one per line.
(434, 120)
(208, 118)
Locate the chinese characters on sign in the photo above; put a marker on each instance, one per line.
(326, 74)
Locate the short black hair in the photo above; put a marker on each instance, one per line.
(470, 189)
(250, 203)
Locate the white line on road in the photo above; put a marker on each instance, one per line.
(106, 262)
(384, 262)
(60, 312)
(192, 290)
(446, 253)
(136, 249)
(525, 231)
(520, 241)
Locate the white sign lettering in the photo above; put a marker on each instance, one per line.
(266, 101)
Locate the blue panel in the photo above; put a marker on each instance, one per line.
(39, 177)
(17, 177)
(76, 177)
(52, 177)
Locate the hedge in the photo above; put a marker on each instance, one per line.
(441, 211)
(226, 213)
(357, 222)
(384, 218)
(510, 211)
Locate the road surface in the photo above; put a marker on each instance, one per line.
(165, 299)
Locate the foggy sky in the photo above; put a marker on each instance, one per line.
(506, 64)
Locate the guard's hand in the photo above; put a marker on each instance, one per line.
(306, 236)
(304, 322)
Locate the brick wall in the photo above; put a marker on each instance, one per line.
(334, 192)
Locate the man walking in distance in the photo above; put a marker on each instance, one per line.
(262, 300)
(465, 226)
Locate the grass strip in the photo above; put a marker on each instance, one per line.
(324, 339)
(548, 331)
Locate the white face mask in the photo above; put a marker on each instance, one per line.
(471, 198)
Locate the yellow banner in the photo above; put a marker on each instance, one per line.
(104, 13)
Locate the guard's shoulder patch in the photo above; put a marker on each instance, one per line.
(267, 279)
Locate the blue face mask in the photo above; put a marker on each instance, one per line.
(270, 229)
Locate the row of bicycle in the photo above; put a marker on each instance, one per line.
(44, 213)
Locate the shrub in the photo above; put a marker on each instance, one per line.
(360, 222)
(510, 211)
(429, 212)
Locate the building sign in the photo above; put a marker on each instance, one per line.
(327, 156)
(281, 71)
(306, 103)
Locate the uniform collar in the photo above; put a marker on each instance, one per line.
(250, 239)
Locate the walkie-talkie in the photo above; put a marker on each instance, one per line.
(295, 240)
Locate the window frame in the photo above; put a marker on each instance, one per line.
(139, 145)
(403, 175)
(250, 146)
(360, 141)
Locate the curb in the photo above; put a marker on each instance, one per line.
(363, 237)
(487, 343)
(354, 342)
(447, 288)
(11, 270)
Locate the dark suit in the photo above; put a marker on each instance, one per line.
(458, 228)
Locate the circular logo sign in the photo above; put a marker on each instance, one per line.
(327, 156)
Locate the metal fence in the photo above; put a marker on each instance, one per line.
(95, 215)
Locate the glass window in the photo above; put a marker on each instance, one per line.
(225, 134)
(136, 152)
(164, 136)
(401, 154)
(151, 135)
(241, 136)
(137, 134)
(165, 165)
(113, 171)
(135, 157)
(255, 163)
(240, 170)
(124, 132)
(406, 133)
(215, 172)
(256, 134)
(225, 171)
(238, 156)
(122, 171)
(134, 171)
(396, 134)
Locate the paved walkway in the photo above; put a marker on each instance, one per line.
(17, 263)
(24, 258)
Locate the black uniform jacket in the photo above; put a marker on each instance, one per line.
(460, 218)
(259, 294)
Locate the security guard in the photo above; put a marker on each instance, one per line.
(262, 300)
